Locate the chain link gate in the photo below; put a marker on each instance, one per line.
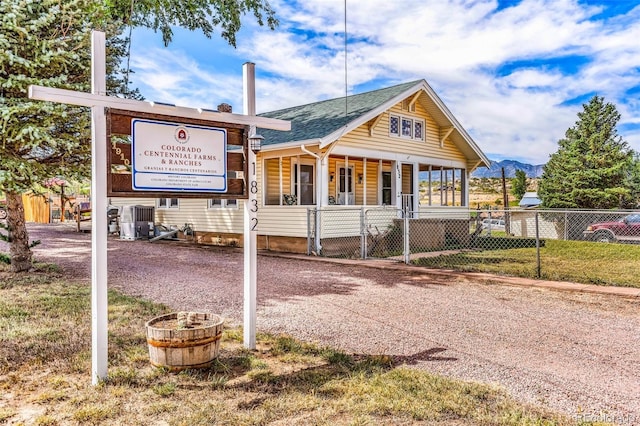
(507, 242)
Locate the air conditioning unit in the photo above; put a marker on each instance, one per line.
(136, 222)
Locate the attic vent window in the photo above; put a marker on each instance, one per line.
(406, 127)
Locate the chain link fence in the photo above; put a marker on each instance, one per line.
(568, 245)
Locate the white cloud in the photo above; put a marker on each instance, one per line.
(464, 48)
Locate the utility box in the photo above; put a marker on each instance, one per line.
(144, 219)
(136, 222)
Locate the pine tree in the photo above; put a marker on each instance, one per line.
(519, 185)
(45, 43)
(590, 169)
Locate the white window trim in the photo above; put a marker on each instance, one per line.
(413, 120)
(168, 203)
(306, 162)
(224, 204)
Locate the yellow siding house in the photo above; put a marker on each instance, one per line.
(399, 147)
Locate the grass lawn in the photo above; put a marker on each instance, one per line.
(577, 261)
(45, 364)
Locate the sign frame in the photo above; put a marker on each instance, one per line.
(119, 157)
(179, 164)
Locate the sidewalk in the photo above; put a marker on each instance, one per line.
(469, 276)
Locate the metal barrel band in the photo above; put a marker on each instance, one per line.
(160, 344)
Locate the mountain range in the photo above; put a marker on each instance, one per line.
(510, 167)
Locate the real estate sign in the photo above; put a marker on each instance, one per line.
(173, 157)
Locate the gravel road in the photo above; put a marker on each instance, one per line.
(572, 352)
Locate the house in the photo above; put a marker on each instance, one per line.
(530, 200)
(398, 147)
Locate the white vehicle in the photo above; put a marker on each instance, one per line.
(493, 224)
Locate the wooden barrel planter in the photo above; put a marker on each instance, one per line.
(177, 344)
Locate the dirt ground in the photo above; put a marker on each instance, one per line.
(575, 353)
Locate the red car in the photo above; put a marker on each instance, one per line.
(623, 229)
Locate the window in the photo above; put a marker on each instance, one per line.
(306, 180)
(418, 132)
(394, 125)
(221, 204)
(406, 127)
(386, 188)
(346, 182)
(168, 203)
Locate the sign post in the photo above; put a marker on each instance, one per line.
(203, 179)
(99, 303)
(250, 219)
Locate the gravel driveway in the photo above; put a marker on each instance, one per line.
(575, 353)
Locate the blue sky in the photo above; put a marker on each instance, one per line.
(514, 73)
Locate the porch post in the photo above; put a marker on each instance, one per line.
(379, 199)
(364, 181)
(453, 187)
(322, 195)
(280, 177)
(442, 191)
(464, 187)
(396, 183)
(346, 180)
(323, 181)
(416, 189)
(430, 183)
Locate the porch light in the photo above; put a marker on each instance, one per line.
(331, 176)
(255, 142)
(360, 178)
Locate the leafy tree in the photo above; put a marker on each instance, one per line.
(519, 185)
(205, 15)
(591, 167)
(47, 43)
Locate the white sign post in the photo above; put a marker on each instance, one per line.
(98, 101)
(99, 303)
(250, 219)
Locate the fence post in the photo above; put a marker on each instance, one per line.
(308, 232)
(407, 249)
(539, 267)
(566, 225)
(318, 231)
(363, 235)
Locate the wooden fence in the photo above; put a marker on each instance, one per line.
(36, 208)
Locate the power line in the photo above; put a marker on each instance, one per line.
(346, 84)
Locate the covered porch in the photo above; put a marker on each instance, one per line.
(407, 183)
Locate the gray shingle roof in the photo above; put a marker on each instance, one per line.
(320, 119)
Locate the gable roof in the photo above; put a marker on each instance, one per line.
(326, 121)
(319, 119)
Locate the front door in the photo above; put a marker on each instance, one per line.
(407, 187)
(345, 186)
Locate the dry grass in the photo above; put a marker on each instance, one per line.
(45, 364)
